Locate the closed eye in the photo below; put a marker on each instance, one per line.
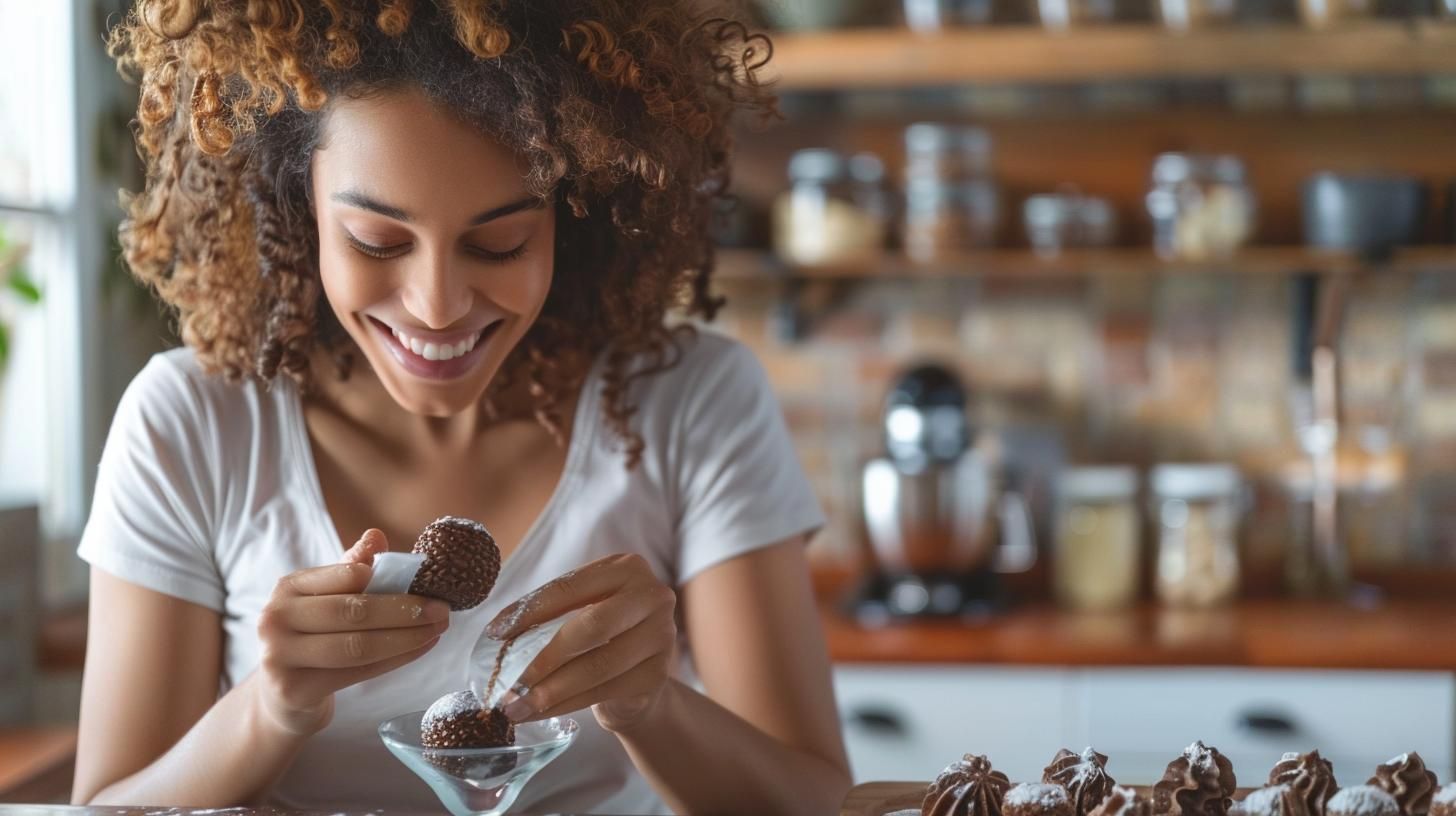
(498, 257)
(376, 252)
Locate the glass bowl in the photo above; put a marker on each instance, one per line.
(478, 781)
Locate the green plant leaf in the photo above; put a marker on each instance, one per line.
(21, 284)
(4, 345)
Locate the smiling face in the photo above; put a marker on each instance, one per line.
(433, 254)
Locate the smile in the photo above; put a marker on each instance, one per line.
(433, 359)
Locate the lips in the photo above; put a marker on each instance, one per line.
(435, 359)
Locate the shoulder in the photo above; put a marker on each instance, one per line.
(704, 359)
(175, 391)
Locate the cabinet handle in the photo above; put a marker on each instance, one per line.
(878, 720)
(1268, 723)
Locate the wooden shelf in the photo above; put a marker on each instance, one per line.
(752, 265)
(899, 58)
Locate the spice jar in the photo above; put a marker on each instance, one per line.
(1068, 220)
(1196, 510)
(1060, 15)
(1097, 541)
(1185, 15)
(1201, 206)
(951, 202)
(834, 210)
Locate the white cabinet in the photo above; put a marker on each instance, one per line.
(906, 722)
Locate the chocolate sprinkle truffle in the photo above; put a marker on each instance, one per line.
(1084, 776)
(461, 562)
(1444, 802)
(1309, 776)
(1122, 801)
(457, 720)
(967, 787)
(1201, 782)
(1406, 778)
(1037, 800)
(1363, 800)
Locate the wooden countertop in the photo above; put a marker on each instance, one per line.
(1263, 634)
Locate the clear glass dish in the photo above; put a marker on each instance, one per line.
(478, 781)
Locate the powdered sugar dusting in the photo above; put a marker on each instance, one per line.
(471, 524)
(911, 812)
(1445, 796)
(452, 705)
(1264, 801)
(1044, 797)
(1363, 800)
(1200, 757)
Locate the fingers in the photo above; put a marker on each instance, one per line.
(323, 614)
(596, 626)
(349, 650)
(335, 579)
(594, 582)
(644, 678)
(372, 543)
(598, 667)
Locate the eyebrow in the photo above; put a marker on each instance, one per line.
(363, 201)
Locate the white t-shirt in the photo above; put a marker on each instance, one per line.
(207, 492)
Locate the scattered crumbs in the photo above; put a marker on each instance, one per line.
(1363, 800)
(1041, 796)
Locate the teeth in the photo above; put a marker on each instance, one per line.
(436, 351)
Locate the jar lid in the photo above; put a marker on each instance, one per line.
(924, 138)
(1098, 482)
(819, 164)
(866, 168)
(1173, 168)
(1195, 481)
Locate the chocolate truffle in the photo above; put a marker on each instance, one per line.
(1405, 777)
(967, 787)
(1037, 800)
(1201, 782)
(1362, 800)
(1274, 800)
(1310, 776)
(1444, 802)
(457, 720)
(1122, 801)
(1084, 776)
(461, 562)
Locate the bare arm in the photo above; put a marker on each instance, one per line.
(766, 739)
(153, 732)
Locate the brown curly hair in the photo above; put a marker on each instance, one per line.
(621, 109)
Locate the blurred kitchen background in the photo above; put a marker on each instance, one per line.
(1117, 336)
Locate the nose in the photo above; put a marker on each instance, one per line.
(436, 291)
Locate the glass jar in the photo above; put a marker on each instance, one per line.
(952, 205)
(1196, 509)
(1186, 15)
(1097, 541)
(1201, 205)
(834, 210)
(1060, 15)
(935, 15)
(1068, 220)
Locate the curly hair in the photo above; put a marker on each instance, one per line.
(620, 108)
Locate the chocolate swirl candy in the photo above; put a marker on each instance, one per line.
(462, 562)
(1122, 801)
(1201, 782)
(1310, 776)
(1083, 775)
(967, 787)
(1405, 777)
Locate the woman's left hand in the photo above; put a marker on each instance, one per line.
(615, 655)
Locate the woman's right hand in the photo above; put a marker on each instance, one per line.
(320, 634)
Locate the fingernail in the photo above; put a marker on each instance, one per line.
(516, 709)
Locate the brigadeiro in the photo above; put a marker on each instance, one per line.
(1037, 800)
(1201, 782)
(1084, 776)
(1309, 776)
(967, 787)
(461, 563)
(1362, 800)
(1406, 778)
(1444, 802)
(458, 720)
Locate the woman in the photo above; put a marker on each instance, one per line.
(421, 253)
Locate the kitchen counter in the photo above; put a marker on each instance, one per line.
(1256, 633)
